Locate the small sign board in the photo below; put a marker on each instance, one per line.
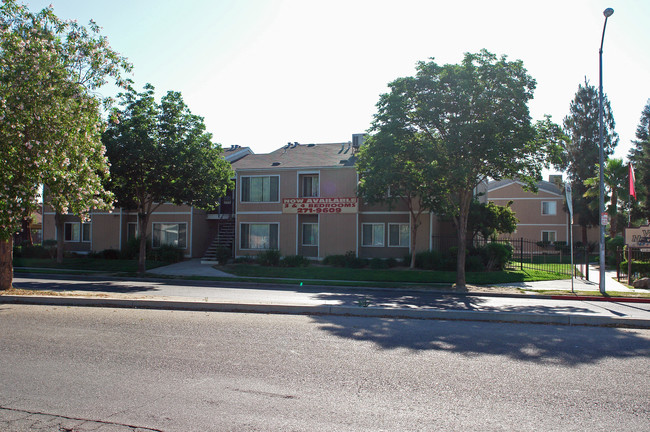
(638, 237)
(604, 218)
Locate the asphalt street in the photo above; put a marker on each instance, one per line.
(101, 369)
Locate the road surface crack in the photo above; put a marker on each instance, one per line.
(134, 427)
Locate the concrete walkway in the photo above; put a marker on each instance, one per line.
(313, 300)
(192, 267)
(579, 284)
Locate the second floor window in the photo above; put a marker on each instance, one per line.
(309, 186)
(548, 207)
(260, 189)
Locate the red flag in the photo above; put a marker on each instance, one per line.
(632, 190)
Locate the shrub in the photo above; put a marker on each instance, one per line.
(244, 260)
(352, 261)
(110, 254)
(561, 246)
(378, 264)
(474, 263)
(349, 260)
(612, 245)
(294, 261)
(496, 255)
(31, 252)
(641, 267)
(334, 260)
(391, 262)
(132, 248)
(269, 258)
(429, 260)
(223, 255)
(167, 253)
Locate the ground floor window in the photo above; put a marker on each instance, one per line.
(372, 234)
(548, 236)
(131, 230)
(398, 235)
(310, 234)
(173, 234)
(85, 232)
(259, 236)
(71, 232)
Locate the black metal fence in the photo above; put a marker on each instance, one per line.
(632, 263)
(530, 254)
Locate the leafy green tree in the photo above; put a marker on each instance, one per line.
(490, 220)
(396, 166)
(474, 117)
(640, 157)
(581, 151)
(161, 153)
(50, 120)
(615, 178)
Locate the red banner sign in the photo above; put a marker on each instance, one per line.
(320, 205)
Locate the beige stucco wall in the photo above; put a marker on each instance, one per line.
(338, 233)
(109, 229)
(528, 210)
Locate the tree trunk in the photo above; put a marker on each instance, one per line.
(465, 200)
(59, 221)
(6, 263)
(584, 235)
(143, 219)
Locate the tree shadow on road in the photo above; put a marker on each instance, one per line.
(544, 344)
(88, 286)
(441, 302)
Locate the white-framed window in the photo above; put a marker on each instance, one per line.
(372, 234)
(71, 232)
(399, 235)
(548, 236)
(260, 188)
(310, 234)
(131, 230)
(549, 208)
(173, 234)
(86, 232)
(309, 186)
(259, 236)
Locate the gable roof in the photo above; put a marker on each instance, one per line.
(541, 185)
(301, 156)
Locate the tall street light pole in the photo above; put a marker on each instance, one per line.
(601, 199)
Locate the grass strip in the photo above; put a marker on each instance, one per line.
(87, 264)
(387, 276)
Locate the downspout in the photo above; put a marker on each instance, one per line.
(191, 229)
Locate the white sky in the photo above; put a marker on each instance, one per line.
(263, 73)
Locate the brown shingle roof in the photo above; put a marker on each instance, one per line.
(301, 156)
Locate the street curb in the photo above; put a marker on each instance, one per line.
(453, 315)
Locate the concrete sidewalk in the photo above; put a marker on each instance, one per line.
(314, 300)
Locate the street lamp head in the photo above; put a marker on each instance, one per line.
(608, 12)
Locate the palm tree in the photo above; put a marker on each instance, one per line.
(616, 183)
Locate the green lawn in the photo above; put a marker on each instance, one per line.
(390, 276)
(85, 264)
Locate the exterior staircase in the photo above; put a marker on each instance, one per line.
(225, 239)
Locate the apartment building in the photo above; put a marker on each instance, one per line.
(301, 200)
(186, 227)
(542, 216)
